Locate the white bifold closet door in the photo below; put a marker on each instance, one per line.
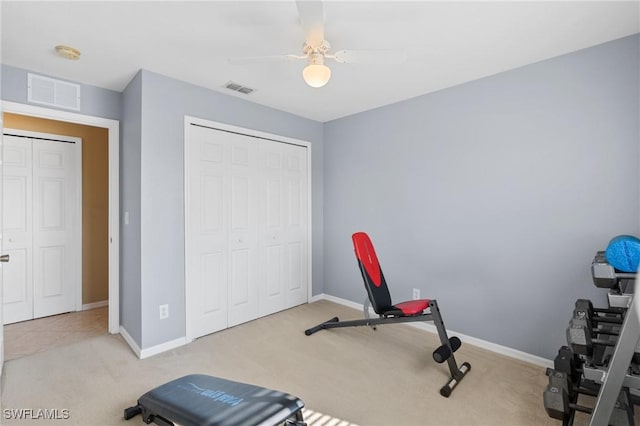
(283, 227)
(40, 228)
(246, 228)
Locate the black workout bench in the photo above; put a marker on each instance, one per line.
(389, 313)
(200, 400)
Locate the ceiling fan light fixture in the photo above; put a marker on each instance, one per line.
(316, 75)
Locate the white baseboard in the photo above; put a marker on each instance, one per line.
(317, 297)
(132, 343)
(154, 350)
(484, 344)
(338, 300)
(163, 347)
(95, 305)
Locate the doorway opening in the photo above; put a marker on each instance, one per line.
(87, 286)
(100, 302)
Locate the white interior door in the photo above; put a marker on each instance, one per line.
(246, 248)
(243, 229)
(55, 219)
(18, 229)
(294, 233)
(41, 226)
(272, 249)
(283, 230)
(4, 258)
(206, 249)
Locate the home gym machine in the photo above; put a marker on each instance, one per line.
(390, 313)
(602, 358)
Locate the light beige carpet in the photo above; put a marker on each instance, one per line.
(383, 377)
(30, 337)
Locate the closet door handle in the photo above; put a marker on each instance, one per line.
(4, 258)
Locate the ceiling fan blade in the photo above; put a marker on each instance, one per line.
(264, 59)
(370, 56)
(312, 20)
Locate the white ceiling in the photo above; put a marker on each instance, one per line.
(447, 43)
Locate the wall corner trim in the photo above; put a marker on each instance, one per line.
(484, 344)
(132, 343)
(154, 350)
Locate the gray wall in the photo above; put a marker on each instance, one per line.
(493, 196)
(95, 100)
(165, 102)
(105, 103)
(130, 196)
(151, 110)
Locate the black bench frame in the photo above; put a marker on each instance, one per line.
(411, 311)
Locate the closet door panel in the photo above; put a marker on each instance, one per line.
(243, 230)
(207, 218)
(55, 195)
(272, 257)
(17, 225)
(295, 224)
(247, 214)
(213, 288)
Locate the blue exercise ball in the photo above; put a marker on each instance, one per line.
(623, 253)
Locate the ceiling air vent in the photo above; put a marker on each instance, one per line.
(239, 88)
(51, 92)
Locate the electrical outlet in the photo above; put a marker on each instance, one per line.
(164, 311)
(416, 293)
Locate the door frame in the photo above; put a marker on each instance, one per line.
(113, 127)
(76, 242)
(215, 125)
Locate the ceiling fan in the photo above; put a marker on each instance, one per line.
(316, 49)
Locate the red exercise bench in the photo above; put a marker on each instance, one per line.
(389, 313)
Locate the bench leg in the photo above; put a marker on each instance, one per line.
(457, 374)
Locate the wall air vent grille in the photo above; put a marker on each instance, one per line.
(239, 88)
(52, 92)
